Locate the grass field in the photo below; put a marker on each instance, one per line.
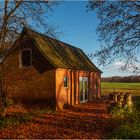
(128, 122)
(108, 87)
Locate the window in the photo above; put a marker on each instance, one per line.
(26, 58)
(65, 81)
(83, 89)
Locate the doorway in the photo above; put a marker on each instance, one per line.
(83, 89)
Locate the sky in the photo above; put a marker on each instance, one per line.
(78, 28)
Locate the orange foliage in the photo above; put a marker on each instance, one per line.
(90, 120)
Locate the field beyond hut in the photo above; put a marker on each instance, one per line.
(108, 87)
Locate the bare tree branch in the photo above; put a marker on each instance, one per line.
(118, 30)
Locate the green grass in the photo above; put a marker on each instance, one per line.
(126, 131)
(19, 118)
(120, 85)
(137, 102)
(108, 87)
(15, 119)
(128, 123)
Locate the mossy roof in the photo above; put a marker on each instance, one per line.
(60, 54)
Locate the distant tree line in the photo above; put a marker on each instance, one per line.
(127, 79)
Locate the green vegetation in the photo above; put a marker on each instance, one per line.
(120, 85)
(39, 111)
(137, 102)
(18, 118)
(15, 119)
(108, 87)
(129, 124)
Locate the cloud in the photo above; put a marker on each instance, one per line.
(115, 65)
(115, 69)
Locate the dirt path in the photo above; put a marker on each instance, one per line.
(89, 120)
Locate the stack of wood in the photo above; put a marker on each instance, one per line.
(121, 100)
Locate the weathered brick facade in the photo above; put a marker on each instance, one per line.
(71, 95)
(35, 83)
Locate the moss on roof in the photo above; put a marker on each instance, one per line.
(60, 54)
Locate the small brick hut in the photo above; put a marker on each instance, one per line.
(42, 69)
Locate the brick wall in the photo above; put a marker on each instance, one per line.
(34, 84)
(71, 95)
(62, 93)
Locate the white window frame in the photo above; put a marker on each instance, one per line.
(83, 79)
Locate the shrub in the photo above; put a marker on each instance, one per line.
(127, 131)
(18, 118)
(40, 111)
(8, 102)
(129, 126)
(14, 119)
(5, 103)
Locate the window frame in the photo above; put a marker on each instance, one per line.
(20, 58)
(66, 82)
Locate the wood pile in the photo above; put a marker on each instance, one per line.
(121, 100)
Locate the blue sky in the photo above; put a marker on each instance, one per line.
(79, 29)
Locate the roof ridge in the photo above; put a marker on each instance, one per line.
(67, 44)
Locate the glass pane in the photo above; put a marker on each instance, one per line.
(65, 81)
(81, 97)
(26, 58)
(83, 88)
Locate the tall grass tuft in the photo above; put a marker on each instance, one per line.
(19, 118)
(15, 119)
(129, 126)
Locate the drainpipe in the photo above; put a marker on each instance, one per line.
(89, 87)
(71, 87)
